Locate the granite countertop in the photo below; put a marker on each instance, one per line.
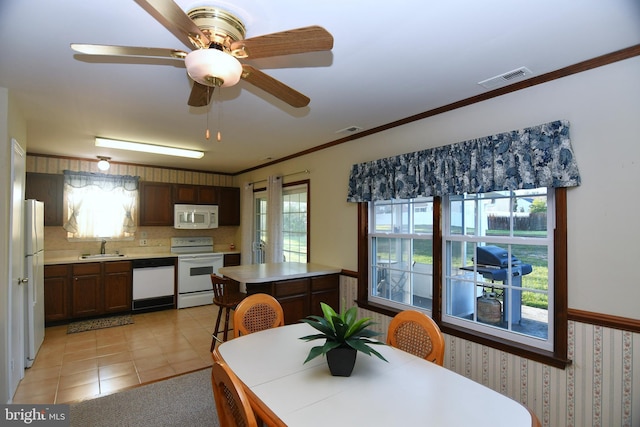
(270, 272)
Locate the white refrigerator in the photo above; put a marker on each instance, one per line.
(34, 272)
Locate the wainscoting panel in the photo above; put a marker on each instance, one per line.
(601, 388)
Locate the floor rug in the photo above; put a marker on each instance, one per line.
(185, 400)
(104, 322)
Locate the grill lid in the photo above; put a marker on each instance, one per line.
(495, 256)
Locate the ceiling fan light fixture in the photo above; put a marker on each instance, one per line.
(148, 148)
(213, 67)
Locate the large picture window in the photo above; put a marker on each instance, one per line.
(485, 271)
(498, 264)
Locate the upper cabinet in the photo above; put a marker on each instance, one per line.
(157, 200)
(156, 204)
(228, 205)
(47, 188)
(195, 194)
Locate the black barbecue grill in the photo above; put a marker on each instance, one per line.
(492, 262)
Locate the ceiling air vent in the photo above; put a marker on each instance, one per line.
(505, 78)
(350, 129)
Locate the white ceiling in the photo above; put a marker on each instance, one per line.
(390, 60)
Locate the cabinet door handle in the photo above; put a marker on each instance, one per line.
(21, 281)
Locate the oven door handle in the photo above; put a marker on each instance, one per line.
(201, 256)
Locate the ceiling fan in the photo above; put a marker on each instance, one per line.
(217, 37)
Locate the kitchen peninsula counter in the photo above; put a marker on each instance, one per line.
(299, 287)
(271, 272)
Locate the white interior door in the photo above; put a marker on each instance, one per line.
(16, 255)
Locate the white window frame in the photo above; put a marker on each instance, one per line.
(547, 343)
(288, 190)
(380, 274)
(260, 221)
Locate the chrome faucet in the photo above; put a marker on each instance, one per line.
(102, 246)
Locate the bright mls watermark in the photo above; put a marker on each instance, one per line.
(37, 415)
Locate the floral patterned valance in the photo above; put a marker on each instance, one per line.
(539, 156)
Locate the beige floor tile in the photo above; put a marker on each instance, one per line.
(78, 379)
(189, 365)
(112, 349)
(35, 392)
(151, 362)
(111, 359)
(140, 343)
(118, 383)
(141, 353)
(78, 366)
(156, 374)
(159, 345)
(89, 353)
(117, 370)
(79, 393)
(181, 355)
(39, 374)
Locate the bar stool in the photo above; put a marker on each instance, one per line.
(226, 299)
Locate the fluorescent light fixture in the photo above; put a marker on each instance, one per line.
(148, 148)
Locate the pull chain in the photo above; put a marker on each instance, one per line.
(207, 134)
(219, 134)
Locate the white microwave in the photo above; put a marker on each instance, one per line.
(192, 217)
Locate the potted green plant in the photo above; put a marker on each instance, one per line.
(345, 335)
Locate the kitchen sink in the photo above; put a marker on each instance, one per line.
(102, 256)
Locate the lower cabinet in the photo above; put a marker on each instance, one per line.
(300, 298)
(86, 289)
(118, 279)
(86, 286)
(56, 293)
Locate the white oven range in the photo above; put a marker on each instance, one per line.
(196, 263)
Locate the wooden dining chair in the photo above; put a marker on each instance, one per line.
(232, 404)
(416, 333)
(226, 298)
(256, 313)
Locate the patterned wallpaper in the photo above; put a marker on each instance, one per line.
(597, 389)
(42, 164)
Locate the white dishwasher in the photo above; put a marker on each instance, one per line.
(153, 283)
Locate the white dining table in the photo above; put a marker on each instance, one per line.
(405, 391)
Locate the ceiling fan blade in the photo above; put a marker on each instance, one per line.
(274, 87)
(175, 20)
(200, 95)
(301, 40)
(109, 50)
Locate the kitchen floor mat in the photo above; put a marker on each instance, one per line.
(104, 322)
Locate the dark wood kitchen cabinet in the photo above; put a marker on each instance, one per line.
(195, 194)
(156, 204)
(157, 200)
(56, 293)
(231, 260)
(118, 279)
(301, 297)
(228, 205)
(324, 289)
(49, 189)
(86, 290)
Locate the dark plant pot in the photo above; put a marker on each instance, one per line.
(341, 361)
